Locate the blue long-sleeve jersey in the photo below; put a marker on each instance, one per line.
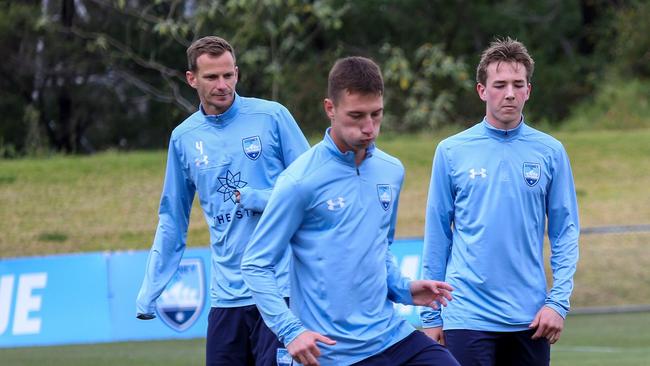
(243, 149)
(339, 220)
(491, 195)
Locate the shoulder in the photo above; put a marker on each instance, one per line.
(467, 136)
(252, 105)
(542, 140)
(388, 159)
(190, 124)
(310, 162)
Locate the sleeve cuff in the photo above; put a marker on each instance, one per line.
(558, 309)
(249, 200)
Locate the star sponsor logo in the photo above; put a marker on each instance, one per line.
(252, 147)
(532, 173)
(181, 303)
(229, 184)
(385, 195)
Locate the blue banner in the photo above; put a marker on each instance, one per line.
(54, 300)
(90, 298)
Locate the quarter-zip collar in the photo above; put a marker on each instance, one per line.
(347, 157)
(223, 119)
(503, 134)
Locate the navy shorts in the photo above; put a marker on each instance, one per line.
(239, 337)
(478, 348)
(417, 349)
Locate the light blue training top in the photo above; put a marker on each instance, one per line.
(492, 193)
(339, 220)
(243, 149)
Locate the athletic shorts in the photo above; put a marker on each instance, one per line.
(479, 348)
(417, 349)
(238, 337)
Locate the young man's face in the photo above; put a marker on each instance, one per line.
(356, 119)
(214, 81)
(505, 93)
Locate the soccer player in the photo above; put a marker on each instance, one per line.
(230, 151)
(336, 208)
(494, 188)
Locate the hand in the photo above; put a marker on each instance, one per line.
(237, 196)
(430, 293)
(436, 334)
(304, 349)
(549, 324)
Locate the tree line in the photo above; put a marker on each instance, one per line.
(79, 76)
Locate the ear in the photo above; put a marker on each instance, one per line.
(191, 78)
(480, 89)
(328, 105)
(236, 74)
(530, 89)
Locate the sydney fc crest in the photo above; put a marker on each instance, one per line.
(180, 304)
(532, 172)
(252, 147)
(385, 195)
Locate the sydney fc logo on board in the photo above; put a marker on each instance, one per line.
(385, 195)
(532, 172)
(252, 147)
(180, 305)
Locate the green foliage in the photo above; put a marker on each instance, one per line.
(631, 49)
(421, 94)
(617, 104)
(91, 75)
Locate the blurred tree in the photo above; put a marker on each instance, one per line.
(83, 75)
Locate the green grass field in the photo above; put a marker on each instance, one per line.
(109, 201)
(588, 340)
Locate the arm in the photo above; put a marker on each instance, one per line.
(437, 230)
(403, 290)
(292, 143)
(267, 246)
(398, 285)
(563, 233)
(292, 140)
(169, 241)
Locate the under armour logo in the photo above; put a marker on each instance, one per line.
(332, 204)
(473, 173)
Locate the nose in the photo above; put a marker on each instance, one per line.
(221, 83)
(367, 125)
(510, 92)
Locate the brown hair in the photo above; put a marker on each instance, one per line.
(213, 45)
(354, 74)
(504, 50)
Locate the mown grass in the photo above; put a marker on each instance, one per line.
(588, 340)
(109, 201)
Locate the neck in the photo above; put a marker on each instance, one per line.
(504, 125)
(359, 155)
